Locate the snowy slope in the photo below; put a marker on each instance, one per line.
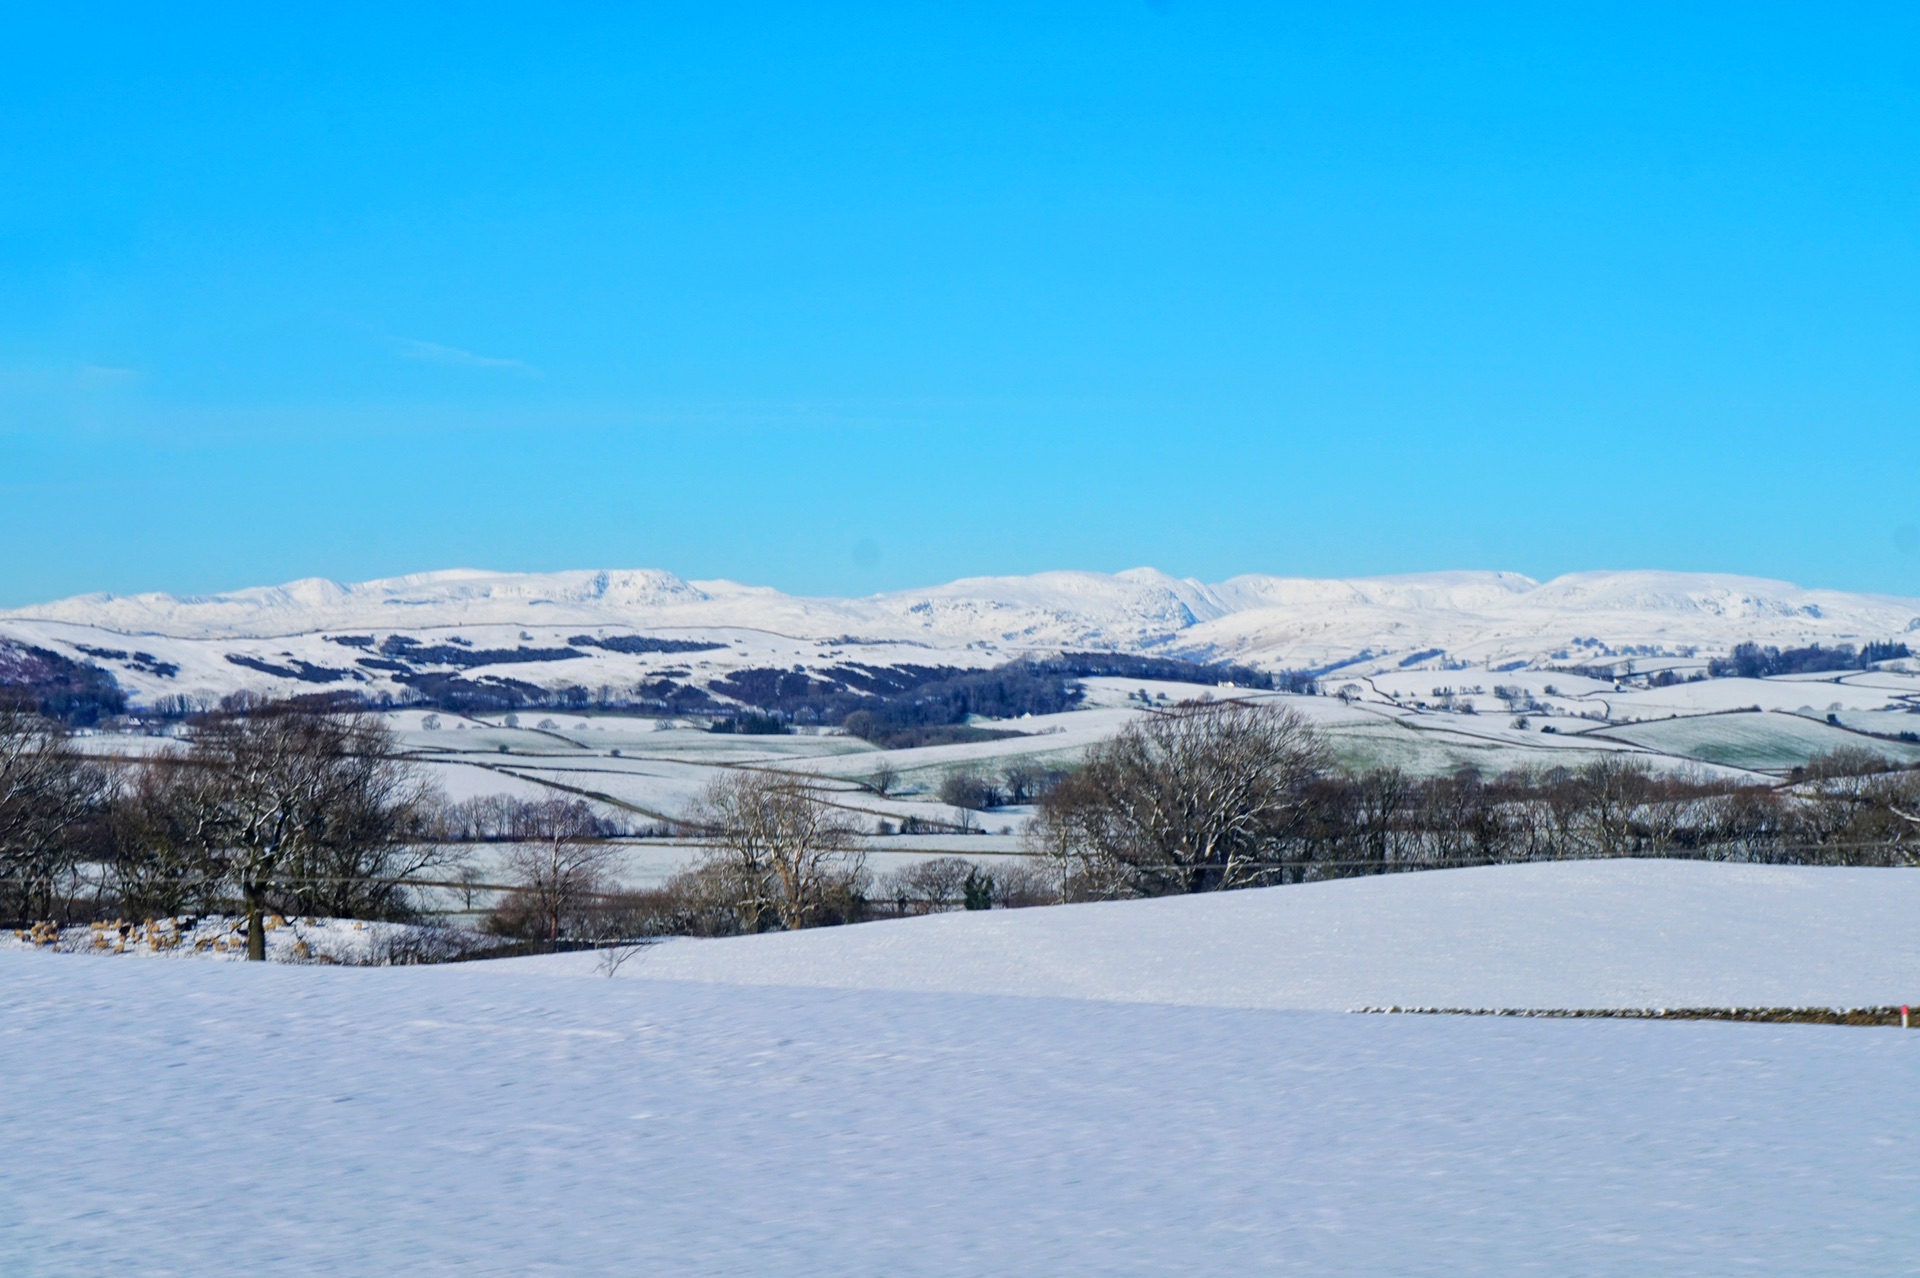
(290, 639)
(1066, 607)
(1138, 608)
(1495, 618)
(1584, 934)
(485, 1119)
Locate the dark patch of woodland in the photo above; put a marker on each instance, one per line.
(144, 662)
(304, 671)
(751, 723)
(1121, 665)
(914, 736)
(1751, 661)
(636, 644)
(444, 691)
(927, 705)
(413, 652)
(797, 695)
(77, 693)
(936, 712)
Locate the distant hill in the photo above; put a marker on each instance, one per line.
(572, 629)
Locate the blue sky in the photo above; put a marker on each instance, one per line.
(843, 298)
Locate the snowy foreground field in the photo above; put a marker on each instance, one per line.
(1144, 1088)
(1580, 934)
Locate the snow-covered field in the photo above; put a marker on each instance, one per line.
(531, 1117)
(1568, 934)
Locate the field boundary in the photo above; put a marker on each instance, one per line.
(1862, 1016)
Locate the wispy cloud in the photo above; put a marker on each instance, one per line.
(453, 356)
(63, 378)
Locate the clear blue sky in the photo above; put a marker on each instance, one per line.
(846, 298)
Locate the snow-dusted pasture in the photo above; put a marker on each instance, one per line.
(647, 772)
(1431, 744)
(533, 1117)
(660, 770)
(1811, 696)
(650, 773)
(1769, 741)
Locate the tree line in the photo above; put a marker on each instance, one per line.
(1231, 794)
(1752, 661)
(297, 810)
(1235, 794)
(279, 810)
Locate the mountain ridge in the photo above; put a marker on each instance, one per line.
(1139, 609)
(1150, 604)
(530, 627)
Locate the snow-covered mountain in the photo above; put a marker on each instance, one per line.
(1139, 609)
(262, 637)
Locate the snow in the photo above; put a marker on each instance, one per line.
(460, 780)
(1762, 741)
(1481, 615)
(1569, 934)
(525, 1117)
(1787, 692)
(1140, 1087)
(224, 938)
(1489, 619)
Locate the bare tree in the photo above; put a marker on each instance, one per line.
(158, 863)
(248, 798)
(1024, 883)
(50, 796)
(928, 886)
(375, 832)
(781, 845)
(561, 865)
(1196, 798)
(968, 787)
(1608, 802)
(297, 806)
(1026, 781)
(1885, 810)
(885, 779)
